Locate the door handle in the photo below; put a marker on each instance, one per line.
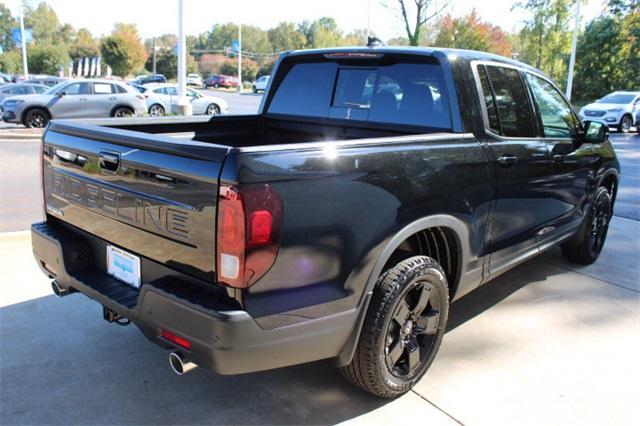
(82, 99)
(558, 158)
(109, 161)
(506, 160)
(113, 98)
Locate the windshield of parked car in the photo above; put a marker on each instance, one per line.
(616, 98)
(400, 93)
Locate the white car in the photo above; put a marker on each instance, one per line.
(163, 99)
(261, 83)
(617, 109)
(194, 79)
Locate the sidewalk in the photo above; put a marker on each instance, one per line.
(546, 343)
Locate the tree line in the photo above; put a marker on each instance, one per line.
(607, 56)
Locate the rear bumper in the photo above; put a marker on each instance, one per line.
(223, 339)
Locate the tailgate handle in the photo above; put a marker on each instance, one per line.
(109, 161)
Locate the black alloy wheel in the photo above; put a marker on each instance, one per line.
(412, 330)
(403, 328)
(585, 247)
(36, 118)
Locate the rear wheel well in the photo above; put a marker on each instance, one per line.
(439, 243)
(611, 183)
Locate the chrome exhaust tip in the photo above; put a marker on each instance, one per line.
(60, 291)
(179, 364)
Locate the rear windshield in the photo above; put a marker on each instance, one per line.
(402, 93)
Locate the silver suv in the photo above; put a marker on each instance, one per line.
(74, 99)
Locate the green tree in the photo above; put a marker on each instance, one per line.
(11, 61)
(323, 32)
(123, 50)
(167, 63)
(255, 40)
(84, 45)
(285, 36)
(46, 58)
(545, 39)
(7, 23)
(44, 22)
(66, 34)
(607, 56)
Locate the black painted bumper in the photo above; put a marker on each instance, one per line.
(223, 337)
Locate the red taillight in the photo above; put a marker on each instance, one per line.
(177, 340)
(248, 233)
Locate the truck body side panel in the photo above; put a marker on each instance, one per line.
(341, 203)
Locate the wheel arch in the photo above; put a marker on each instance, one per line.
(32, 107)
(610, 180)
(458, 232)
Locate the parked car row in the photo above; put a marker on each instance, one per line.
(85, 98)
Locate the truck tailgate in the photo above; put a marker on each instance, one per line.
(151, 195)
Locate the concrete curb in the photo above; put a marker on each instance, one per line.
(19, 136)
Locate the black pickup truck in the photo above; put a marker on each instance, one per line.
(374, 186)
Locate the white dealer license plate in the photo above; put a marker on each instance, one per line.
(123, 266)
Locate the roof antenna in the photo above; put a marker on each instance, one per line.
(374, 42)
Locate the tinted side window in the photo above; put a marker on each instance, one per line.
(555, 113)
(490, 101)
(306, 90)
(118, 89)
(78, 89)
(513, 105)
(39, 89)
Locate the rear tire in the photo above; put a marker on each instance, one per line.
(586, 246)
(156, 110)
(402, 329)
(36, 118)
(212, 109)
(254, 89)
(123, 112)
(216, 85)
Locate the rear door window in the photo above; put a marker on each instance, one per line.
(402, 93)
(102, 88)
(510, 97)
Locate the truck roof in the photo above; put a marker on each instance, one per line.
(450, 54)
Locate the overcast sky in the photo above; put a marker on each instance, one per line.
(155, 17)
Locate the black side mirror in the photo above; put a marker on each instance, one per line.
(595, 132)
(61, 94)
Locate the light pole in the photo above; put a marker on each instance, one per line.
(23, 38)
(240, 56)
(574, 42)
(184, 105)
(155, 49)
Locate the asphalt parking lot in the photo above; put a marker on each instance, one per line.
(546, 343)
